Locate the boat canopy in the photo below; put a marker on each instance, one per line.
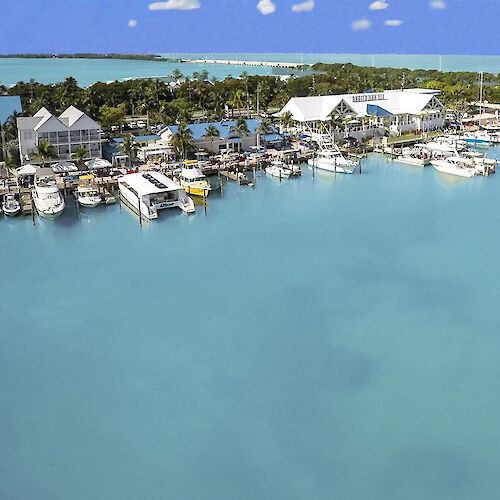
(26, 170)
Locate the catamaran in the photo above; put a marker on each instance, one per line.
(148, 192)
(47, 198)
(193, 180)
(333, 160)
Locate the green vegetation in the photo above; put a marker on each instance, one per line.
(200, 99)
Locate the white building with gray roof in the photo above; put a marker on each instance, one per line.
(73, 128)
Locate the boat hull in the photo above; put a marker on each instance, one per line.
(197, 191)
(89, 202)
(331, 167)
(459, 172)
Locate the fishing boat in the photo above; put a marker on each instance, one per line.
(148, 192)
(455, 165)
(445, 146)
(47, 198)
(278, 169)
(10, 205)
(87, 195)
(332, 160)
(193, 180)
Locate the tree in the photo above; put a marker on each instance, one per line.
(182, 140)
(263, 129)
(211, 132)
(237, 101)
(129, 147)
(44, 152)
(239, 129)
(110, 116)
(79, 154)
(286, 121)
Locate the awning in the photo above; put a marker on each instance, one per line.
(26, 170)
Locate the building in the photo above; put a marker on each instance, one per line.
(65, 133)
(367, 115)
(227, 137)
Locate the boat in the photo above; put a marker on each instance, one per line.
(10, 205)
(478, 138)
(193, 180)
(86, 194)
(278, 169)
(148, 192)
(413, 156)
(332, 160)
(455, 165)
(445, 146)
(47, 198)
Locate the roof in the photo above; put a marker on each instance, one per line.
(144, 187)
(71, 119)
(199, 129)
(9, 104)
(320, 108)
(146, 138)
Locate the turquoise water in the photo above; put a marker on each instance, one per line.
(326, 337)
(89, 71)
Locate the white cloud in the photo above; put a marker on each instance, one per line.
(361, 24)
(175, 5)
(266, 7)
(132, 23)
(305, 6)
(393, 22)
(379, 5)
(438, 4)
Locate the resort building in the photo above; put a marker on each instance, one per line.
(227, 137)
(367, 115)
(65, 133)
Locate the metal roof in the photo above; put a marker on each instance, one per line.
(9, 104)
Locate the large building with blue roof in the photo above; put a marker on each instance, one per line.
(227, 136)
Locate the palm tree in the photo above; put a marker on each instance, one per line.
(239, 129)
(286, 121)
(129, 147)
(212, 133)
(79, 154)
(263, 129)
(44, 151)
(182, 140)
(237, 101)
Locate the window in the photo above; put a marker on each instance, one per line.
(75, 135)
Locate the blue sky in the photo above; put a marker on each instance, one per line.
(349, 26)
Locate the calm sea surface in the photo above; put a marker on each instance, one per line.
(89, 71)
(326, 337)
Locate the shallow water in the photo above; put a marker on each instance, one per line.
(326, 337)
(89, 71)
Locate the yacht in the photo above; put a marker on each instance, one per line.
(333, 161)
(87, 195)
(193, 180)
(445, 146)
(10, 205)
(148, 192)
(455, 165)
(47, 198)
(278, 169)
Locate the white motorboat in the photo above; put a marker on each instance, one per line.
(87, 195)
(47, 198)
(455, 165)
(278, 169)
(445, 146)
(333, 161)
(413, 156)
(147, 193)
(10, 205)
(479, 138)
